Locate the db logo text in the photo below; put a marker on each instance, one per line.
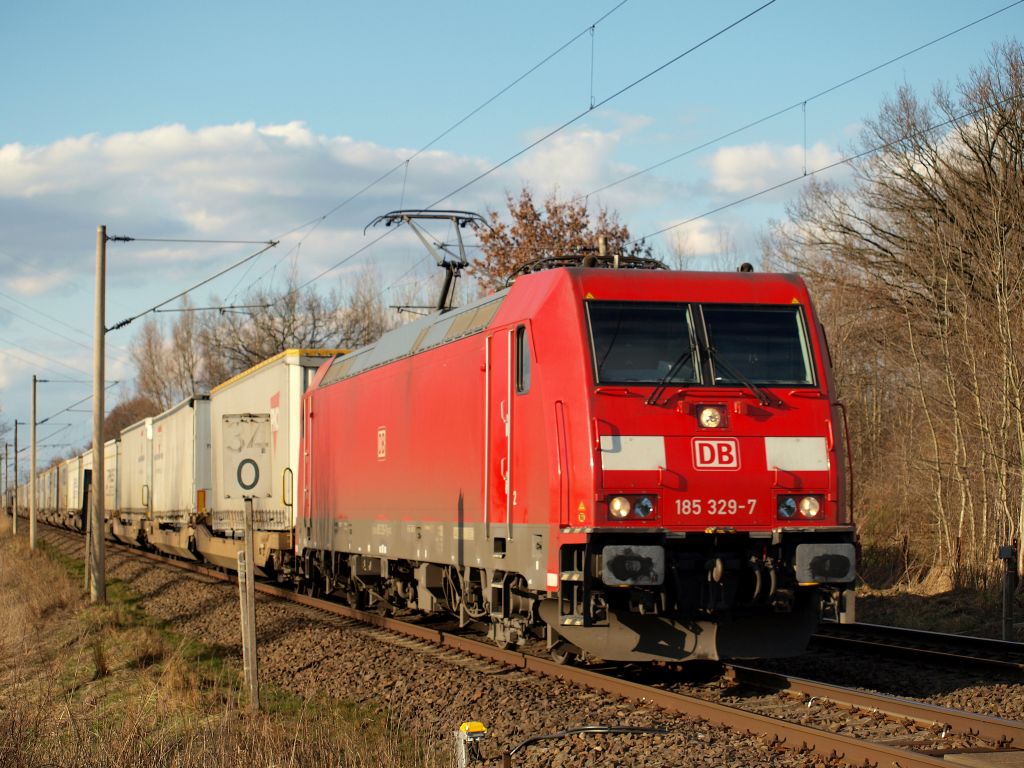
(716, 453)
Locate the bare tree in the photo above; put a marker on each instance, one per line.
(149, 353)
(919, 267)
(170, 365)
(295, 317)
(364, 316)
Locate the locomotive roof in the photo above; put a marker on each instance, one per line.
(418, 336)
(754, 287)
(441, 328)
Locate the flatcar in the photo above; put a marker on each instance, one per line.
(634, 465)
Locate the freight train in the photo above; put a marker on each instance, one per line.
(628, 464)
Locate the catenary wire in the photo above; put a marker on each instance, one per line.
(8, 353)
(85, 399)
(200, 284)
(60, 335)
(315, 222)
(44, 357)
(801, 103)
(842, 161)
(601, 103)
(765, 118)
(555, 131)
(457, 123)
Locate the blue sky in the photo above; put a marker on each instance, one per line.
(244, 120)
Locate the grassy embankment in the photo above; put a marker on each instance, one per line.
(84, 685)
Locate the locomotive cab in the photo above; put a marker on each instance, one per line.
(719, 518)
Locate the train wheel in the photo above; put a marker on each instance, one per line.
(311, 587)
(562, 651)
(563, 654)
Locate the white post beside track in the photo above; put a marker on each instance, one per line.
(247, 472)
(247, 600)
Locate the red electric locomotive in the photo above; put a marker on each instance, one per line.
(635, 465)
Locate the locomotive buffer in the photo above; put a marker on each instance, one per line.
(246, 473)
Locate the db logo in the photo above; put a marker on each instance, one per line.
(716, 453)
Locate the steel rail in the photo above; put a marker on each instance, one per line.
(1001, 732)
(988, 645)
(899, 642)
(787, 735)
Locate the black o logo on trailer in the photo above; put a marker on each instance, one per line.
(255, 474)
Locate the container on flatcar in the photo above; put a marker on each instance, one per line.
(181, 475)
(61, 512)
(135, 482)
(273, 387)
(111, 505)
(48, 484)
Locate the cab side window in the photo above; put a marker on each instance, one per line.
(522, 361)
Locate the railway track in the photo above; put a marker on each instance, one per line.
(838, 724)
(897, 642)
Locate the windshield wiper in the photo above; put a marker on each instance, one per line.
(659, 390)
(762, 397)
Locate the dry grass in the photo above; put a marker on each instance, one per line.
(965, 611)
(896, 589)
(104, 686)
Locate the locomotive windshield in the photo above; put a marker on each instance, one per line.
(662, 343)
(641, 343)
(767, 345)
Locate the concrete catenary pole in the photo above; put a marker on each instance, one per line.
(32, 473)
(7, 477)
(97, 572)
(15, 521)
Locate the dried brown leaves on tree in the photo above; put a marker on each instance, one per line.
(918, 266)
(126, 413)
(558, 228)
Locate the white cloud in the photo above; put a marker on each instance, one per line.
(744, 169)
(36, 283)
(576, 160)
(582, 161)
(697, 238)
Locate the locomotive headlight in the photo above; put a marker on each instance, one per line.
(786, 507)
(644, 507)
(809, 506)
(710, 417)
(619, 507)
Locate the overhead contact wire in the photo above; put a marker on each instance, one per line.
(200, 284)
(842, 161)
(315, 222)
(601, 103)
(801, 103)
